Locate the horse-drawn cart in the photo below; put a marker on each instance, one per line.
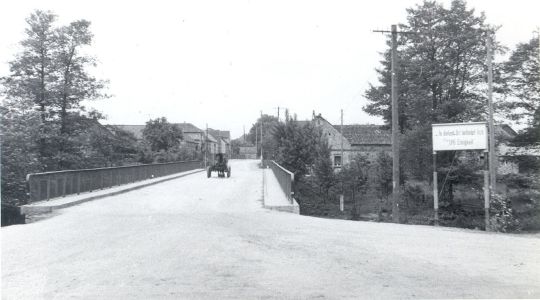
(220, 166)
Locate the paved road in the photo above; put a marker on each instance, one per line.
(195, 237)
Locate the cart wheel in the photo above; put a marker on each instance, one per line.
(229, 172)
(209, 172)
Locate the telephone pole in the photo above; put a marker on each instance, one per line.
(341, 196)
(262, 137)
(278, 112)
(206, 147)
(492, 154)
(395, 124)
(342, 147)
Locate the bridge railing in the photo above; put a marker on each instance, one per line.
(44, 186)
(285, 179)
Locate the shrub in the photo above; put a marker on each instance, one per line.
(501, 214)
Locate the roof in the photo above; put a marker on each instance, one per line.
(137, 130)
(211, 138)
(192, 137)
(220, 133)
(505, 130)
(365, 134)
(188, 127)
(189, 130)
(505, 150)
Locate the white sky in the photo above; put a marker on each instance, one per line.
(222, 62)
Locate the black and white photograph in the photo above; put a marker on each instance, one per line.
(255, 149)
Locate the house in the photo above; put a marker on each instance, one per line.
(357, 139)
(198, 140)
(193, 136)
(514, 160)
(247, 152)
(224, 140)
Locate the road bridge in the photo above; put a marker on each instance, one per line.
(194, 237)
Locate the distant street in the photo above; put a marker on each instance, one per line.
(195, 237)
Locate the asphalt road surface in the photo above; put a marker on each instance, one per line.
(194, 237)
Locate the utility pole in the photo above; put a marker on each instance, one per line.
(341, 197)
(244, 126)
(206, 147)
(342, 146)
(278, 112)
(492, 154)
(395, 124)
(256, 141)
(262, 124)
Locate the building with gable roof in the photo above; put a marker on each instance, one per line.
(357, 139)
(215, 141)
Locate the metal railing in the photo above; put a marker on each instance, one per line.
(44, 186)
(285, 179)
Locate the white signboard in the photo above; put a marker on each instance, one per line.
(460, 136)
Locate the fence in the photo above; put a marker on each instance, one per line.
(49, 185)
(285, 179)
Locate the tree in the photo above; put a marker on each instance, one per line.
(20, 133)
(355, 179)
(74, 83)
(33, 70)
(382, 179)
(522, 80)
(296, 146)
(51, 72)
(162, 135)
(522, 74)
(268, 124)
(322, 169)
(441, 67)
(441, 77)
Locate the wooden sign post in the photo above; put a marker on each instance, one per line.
(454, 137)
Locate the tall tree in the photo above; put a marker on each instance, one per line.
(268, 124)
(74, 83)
(522, 79)
(297, 146)
(322, 168)
(441, 70)
(441, 78)
(33, 69)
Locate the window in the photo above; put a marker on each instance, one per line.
(337, 160)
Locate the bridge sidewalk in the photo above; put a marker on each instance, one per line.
(273, 195)
(43, 207)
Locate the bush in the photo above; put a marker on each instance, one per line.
(501, 214)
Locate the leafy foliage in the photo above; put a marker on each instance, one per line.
(501, 214)
(441, 67)
(354, 177)
(441, 78)
(297, 146)
(268, 124)
(162, 135)
(323, 169)
(522, 80)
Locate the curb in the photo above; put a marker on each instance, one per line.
(30, 209)
(293, 208)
